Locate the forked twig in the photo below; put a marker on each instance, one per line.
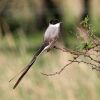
(77, 54)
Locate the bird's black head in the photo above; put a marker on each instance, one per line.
(54, 21)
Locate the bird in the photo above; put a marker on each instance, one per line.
(51, 36)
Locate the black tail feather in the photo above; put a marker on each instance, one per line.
(30, 64)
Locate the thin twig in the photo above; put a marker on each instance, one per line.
(58, 72)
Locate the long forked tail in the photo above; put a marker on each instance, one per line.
(25, 70)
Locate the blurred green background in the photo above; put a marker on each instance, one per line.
(22, 25)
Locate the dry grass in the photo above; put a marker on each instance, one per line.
(77, 82)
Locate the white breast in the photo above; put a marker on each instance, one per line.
(52, 31)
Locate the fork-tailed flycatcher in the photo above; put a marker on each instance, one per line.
(51, 36)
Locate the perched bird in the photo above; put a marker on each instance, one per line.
(51, 36)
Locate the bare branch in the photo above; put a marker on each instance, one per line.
(58, 72)
(95, 65)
